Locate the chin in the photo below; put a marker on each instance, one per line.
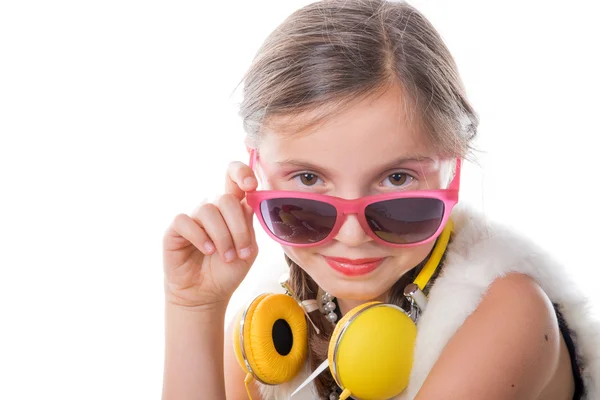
(359, 288)
(354, 290)
(362, 297)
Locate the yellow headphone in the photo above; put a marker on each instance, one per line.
(370, 353)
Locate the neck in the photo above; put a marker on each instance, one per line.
(348, 304)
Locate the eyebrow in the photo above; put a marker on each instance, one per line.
(402, 160)
(408, 159)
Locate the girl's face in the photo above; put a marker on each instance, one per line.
(369, 148)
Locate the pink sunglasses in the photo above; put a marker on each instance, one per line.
(399, 219)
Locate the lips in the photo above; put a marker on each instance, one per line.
(353, 267)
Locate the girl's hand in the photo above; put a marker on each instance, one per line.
(207, 255)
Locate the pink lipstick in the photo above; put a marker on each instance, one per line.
(354, 267)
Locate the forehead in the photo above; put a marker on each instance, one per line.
(373, 130)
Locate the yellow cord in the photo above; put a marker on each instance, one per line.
(436, 256)
(247, 382)
(345, 394)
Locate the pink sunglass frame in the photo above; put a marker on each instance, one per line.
(345, 207)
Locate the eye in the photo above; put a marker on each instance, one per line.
(307, 179)
(399, 179)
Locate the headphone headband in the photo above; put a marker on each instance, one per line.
(436, 256)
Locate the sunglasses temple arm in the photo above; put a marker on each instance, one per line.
(253, 157)
(455, 184)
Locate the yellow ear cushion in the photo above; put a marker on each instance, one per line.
(374, 353)
(236, 332)
(275, 338)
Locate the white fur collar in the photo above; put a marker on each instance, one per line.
(479, 253)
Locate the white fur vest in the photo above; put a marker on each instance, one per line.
(479, 253)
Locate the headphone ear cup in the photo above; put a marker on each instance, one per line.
(237, 338)
(271, 338)
(335, 336)
(371, 351)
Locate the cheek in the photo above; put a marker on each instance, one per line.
(298, 255)
(310, 261)
(410, 257)
(405, 259)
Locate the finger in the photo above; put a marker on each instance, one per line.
(184, 228)
(210, 218)
(237, 223)
(201, 204)
(249, 214)
(240, 179)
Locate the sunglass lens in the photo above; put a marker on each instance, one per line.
(298, 221)
(405, 221)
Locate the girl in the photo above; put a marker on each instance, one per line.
(361, 100)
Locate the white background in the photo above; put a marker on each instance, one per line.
(117, 115)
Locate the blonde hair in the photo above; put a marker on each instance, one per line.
(330, 53)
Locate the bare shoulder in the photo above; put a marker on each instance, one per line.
(235, 388)
(508, 348)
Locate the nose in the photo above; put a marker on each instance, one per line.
(351, 233)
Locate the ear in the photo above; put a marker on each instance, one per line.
(253, 156)
(258, 172)
(248, 144)
(251, 152)
(448, 170)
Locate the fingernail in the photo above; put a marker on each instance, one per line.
(230, 255)
(250, 181)
(245, 253)
(208, 246)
